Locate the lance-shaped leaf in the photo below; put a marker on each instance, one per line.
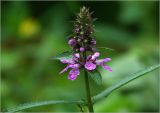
(64, 55)
(96, 76)
(43, 103)
(123, 82)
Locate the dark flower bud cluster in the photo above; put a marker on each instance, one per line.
(83, 41)
(82, 38)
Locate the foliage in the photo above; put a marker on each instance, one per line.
(100, 96)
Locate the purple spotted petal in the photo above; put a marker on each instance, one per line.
(107, 68)
(89, 57)
(90, 66)
(74, 66)
(77, 55)
(73, 74)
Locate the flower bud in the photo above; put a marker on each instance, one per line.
(72, 42)
(93, 49)
(81, 33)
(82, 37)
(85, 41)
(77, 30)
(93, 41)
(82, 49)
(78, 40)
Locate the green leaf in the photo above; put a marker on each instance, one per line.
(106, 48)
(96, 76)
(37, 104)
(123, 82)
(64, 55)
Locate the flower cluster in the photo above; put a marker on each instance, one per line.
(76, 62)
(83, 44)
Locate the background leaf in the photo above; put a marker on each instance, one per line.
(105, 48)
(96, 76)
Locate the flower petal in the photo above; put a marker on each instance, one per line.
(73, 74)
(77, 55)
(95, 55)
(74, 66)
(107, 68)
(89, 57)
(67, 61)
(90, 66)
(102, 61)
(107, 59)
(99, 62)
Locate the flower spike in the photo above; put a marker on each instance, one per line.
(83, 41)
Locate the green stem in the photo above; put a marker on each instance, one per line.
(88, 94)
(90, 105)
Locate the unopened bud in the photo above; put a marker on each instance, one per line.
(93, 42)
(85, 41)
(72, 42)
(77, 30)
(79, 40)
(81, 33)
(82, 49)
(93, 49)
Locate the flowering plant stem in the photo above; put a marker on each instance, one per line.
(90, 105)
(88, 94)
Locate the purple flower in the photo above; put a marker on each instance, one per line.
(92, 62)
(73, 64)
(90, 65)
(83, 42)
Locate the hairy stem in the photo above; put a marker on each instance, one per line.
(88, 95)
(90, 105)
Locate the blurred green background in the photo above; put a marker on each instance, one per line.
(33, 32)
